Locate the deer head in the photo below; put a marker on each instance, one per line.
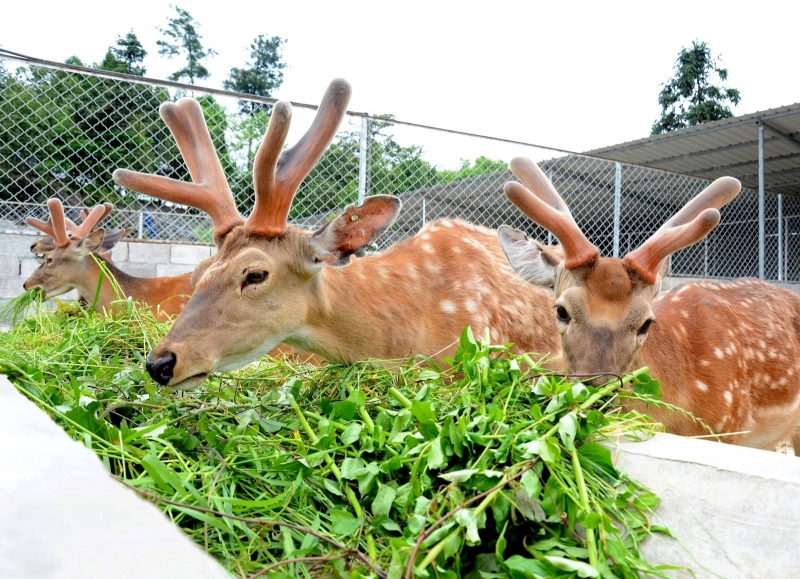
(602, 304)
(263, 283)
(67, 246)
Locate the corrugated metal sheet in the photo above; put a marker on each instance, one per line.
(726, 147)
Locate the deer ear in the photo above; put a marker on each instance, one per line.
(90, 243)
(111, 238)
(350, 232)
(534, 262)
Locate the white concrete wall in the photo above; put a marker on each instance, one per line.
(62, 516)
(139, 258)
(735, 511)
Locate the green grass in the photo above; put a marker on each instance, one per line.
(491, 468)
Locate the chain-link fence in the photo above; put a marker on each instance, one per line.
(63, 130)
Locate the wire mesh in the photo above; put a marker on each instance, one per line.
(63, 132)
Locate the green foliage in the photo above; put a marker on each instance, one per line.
(481, 166)
(261, 76)
(65, 133)
(127, 57)
(183, 39)
(489, 469)
(689, 98)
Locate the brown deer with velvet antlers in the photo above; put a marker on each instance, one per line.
(68, 264)
(729, 353)
(271, 282)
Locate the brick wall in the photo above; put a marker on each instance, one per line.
(139, 258)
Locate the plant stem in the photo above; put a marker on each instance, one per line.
(590, 537)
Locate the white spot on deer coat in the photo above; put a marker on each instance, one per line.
(728, 396)
(448, 307)
(719, 353)
(702, 386)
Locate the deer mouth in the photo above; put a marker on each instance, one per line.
(189, 383)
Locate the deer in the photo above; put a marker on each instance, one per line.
(271, 282)
(728, 353)
(68, 263)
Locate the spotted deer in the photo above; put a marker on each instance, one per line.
(68, 264)
(271, 282)
(727, 352)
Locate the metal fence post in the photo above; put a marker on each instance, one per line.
(617, 205)
(780, 237)
(761, 201)
(423, 212)
(141, 224)
(363, 165)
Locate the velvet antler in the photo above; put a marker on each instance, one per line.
(56, 227)
(691, 224)
(277, 174)
(540, 201)
(209, 191)
(89, 220)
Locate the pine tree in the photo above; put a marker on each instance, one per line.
(126, 57)
(689, 98)
(261, 76)
(183, 39)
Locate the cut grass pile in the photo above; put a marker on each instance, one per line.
(489, 469)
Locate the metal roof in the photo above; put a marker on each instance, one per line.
(726, 147)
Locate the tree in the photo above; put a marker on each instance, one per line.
(689, 98)
(126, 57)
(185, 39)
(260, 76)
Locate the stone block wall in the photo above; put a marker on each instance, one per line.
(138, 258)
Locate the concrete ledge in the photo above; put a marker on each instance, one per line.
(62, 516)
(735, 511)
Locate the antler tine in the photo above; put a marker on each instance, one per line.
(278, 175)
(691, 224)
(540, 201)
(90, 219)
(209, 192)
(56, 227)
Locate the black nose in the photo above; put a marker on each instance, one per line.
(161, 369)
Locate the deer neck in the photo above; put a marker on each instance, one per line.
(91, 275)
(351, 311)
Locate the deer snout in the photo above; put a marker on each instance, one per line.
(161, 368)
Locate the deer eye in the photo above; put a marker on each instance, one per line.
(49, 261)
(644, 328)
(255, 277)
(562, 314)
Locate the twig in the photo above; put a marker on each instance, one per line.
(113, 407)
(296, 560)
(261, 523)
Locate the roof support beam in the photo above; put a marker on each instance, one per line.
(780, 133)
(761, 211)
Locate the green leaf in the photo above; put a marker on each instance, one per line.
(366, 477)
(384, 498)
(544, 447)
(350, 466)
(470, 523)
(459, 476)
(436, 456)
(582, 569)
(520, 567)
(344, 409)
(567, 428)
(597, 458)
(647, 387)
(531, 483)
(344, 523)
(422, 411)
(332, 487)
(269, 426)
(351, 433)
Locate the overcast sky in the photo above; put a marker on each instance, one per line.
(572, 75)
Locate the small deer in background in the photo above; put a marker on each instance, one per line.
(271, 282)
(727, 352)
(68, 264)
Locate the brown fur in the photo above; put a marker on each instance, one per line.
(414, 298)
